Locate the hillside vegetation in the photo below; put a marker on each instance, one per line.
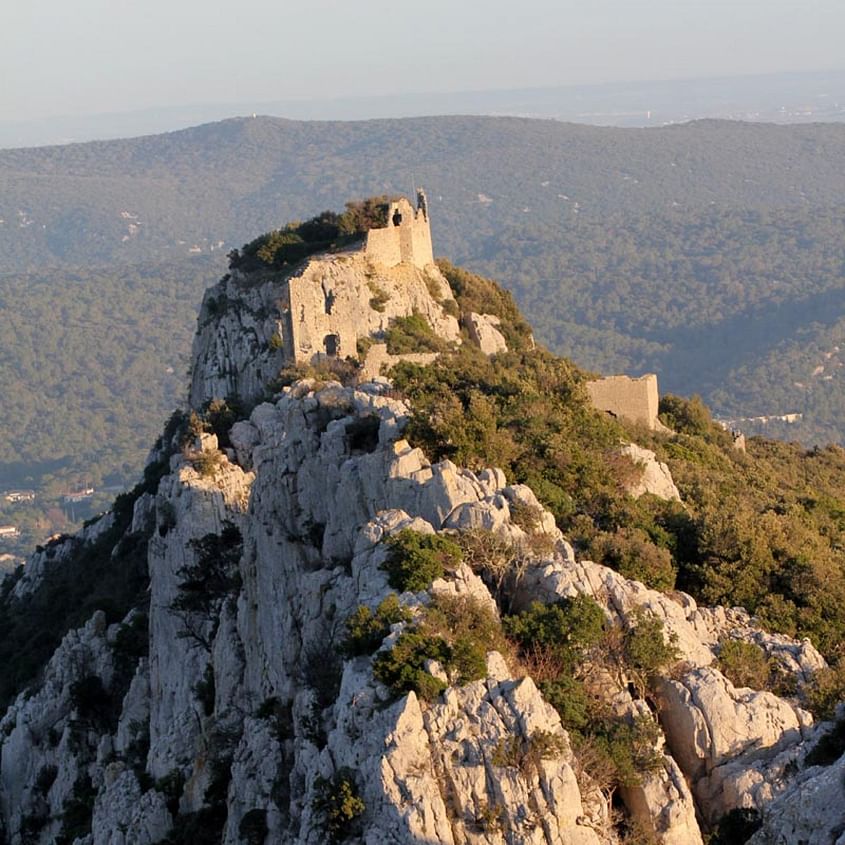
(764, 530)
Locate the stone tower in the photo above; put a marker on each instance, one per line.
(406, 238)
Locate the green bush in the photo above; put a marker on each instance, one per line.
(338, 805)
(366, 630)
(475, 293)
(736, 827)
(457, 632)
(77, 811)
(525, 754)
(92, 701)
(568, 629)
(829, 747)
(615, 752)
(276, 341)
(380, 297)
(631, 553)
(206, 582)
(646, 650)
(744, 664)
(686, 416)
(362, 347)
(413, 334)
(326, 232)
(206, 463)
(402, 668)
(570, 698)
(826, 691)
(416, 559)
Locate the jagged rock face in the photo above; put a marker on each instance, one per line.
(484, 331)
(655, 476)
(316, 481)
(810, 810)
(250, 326)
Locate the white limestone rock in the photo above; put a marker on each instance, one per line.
(811, 810)
(124, 815)
(656, 478)
(484, 331)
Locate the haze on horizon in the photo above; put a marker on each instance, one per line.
(100, 56)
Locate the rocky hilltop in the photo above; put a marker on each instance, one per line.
(313, 630)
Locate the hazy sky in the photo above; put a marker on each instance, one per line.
(90, 56)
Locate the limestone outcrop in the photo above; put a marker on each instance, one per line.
(655, 477)
(484, 331)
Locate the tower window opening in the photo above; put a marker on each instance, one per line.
(331, 343)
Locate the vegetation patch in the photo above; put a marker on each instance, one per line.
(326, 232)
(632, 553)
(575, 656)
(763, 530)
(526, 753)
(413, 334)
(476, 294)
(744, 664)
(457, 633)
(366, 630)
(380, 297)
(416, 559)
(338, 805)
(829, 748)
(826, 690)
(205, 583)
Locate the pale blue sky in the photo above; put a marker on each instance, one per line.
(91, 56)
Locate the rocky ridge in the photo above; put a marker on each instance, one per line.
(240, 714)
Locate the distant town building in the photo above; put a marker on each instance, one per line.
(7, 531)
(19, 495)
(79, 495)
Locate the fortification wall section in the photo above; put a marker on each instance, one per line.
(421, 247)
(406, 238)
(323, 321)
(378, 359)
(383, 246)
(632, 399)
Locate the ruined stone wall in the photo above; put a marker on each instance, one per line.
(408, 242)
(633, 399)
(378, 359)
(324, 318)
(383, 246)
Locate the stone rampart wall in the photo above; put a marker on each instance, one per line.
(379, 358)
(409, 241)
(320, 325)
(383, 246)
(632, 399)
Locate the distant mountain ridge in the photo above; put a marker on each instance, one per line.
(792, 97)
(65, 203)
